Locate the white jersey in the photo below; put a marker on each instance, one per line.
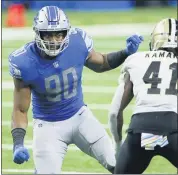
(154, 78)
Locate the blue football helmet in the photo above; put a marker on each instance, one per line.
(51, 19)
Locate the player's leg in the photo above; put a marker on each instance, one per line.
(48, 149)
(132, 158)
(91, 138)
(170, 150)
(113, 117)
(170, 123)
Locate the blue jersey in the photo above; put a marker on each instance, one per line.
(55, 84)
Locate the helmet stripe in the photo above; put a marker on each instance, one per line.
(176, 27)
(170, 27)
(57, 14)
(53, 15)
(173, 30)
(51, 11)
(48, 13)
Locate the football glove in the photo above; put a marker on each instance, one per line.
(21, 154)
(133, 43)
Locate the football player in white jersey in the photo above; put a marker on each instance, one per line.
(151, 77)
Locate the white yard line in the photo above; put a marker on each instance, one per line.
(86, 89)
(8, 123)
(63, 172)
(94, 30)
(8, 85)
(85, 77)
(91, 106)
(29, 146)
(32, 171)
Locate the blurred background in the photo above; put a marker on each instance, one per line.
(109, 23)
(90, 5)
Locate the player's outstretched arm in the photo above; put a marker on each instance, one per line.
(128, 92)
(22, 98)
(99, 62)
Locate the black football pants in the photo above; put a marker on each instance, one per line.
(133, 159)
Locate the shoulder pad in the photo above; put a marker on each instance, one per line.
(87, 39)
(134, 57)
(19, 62)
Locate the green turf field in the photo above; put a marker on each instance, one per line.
(75, 160)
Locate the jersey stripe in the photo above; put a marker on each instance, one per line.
(90, 47)
(57, 15)
(170, 26)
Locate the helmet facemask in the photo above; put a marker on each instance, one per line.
(52, 47)
(51, 20)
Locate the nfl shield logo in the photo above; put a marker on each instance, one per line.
(56, 64)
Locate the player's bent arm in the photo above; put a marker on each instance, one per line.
(128, 92)
(103, 62)
(22, 98)
(120, 122)
(126, 98)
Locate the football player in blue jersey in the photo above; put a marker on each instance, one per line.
(50, 68)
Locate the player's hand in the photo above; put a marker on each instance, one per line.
(21, 154)
(133, 43)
